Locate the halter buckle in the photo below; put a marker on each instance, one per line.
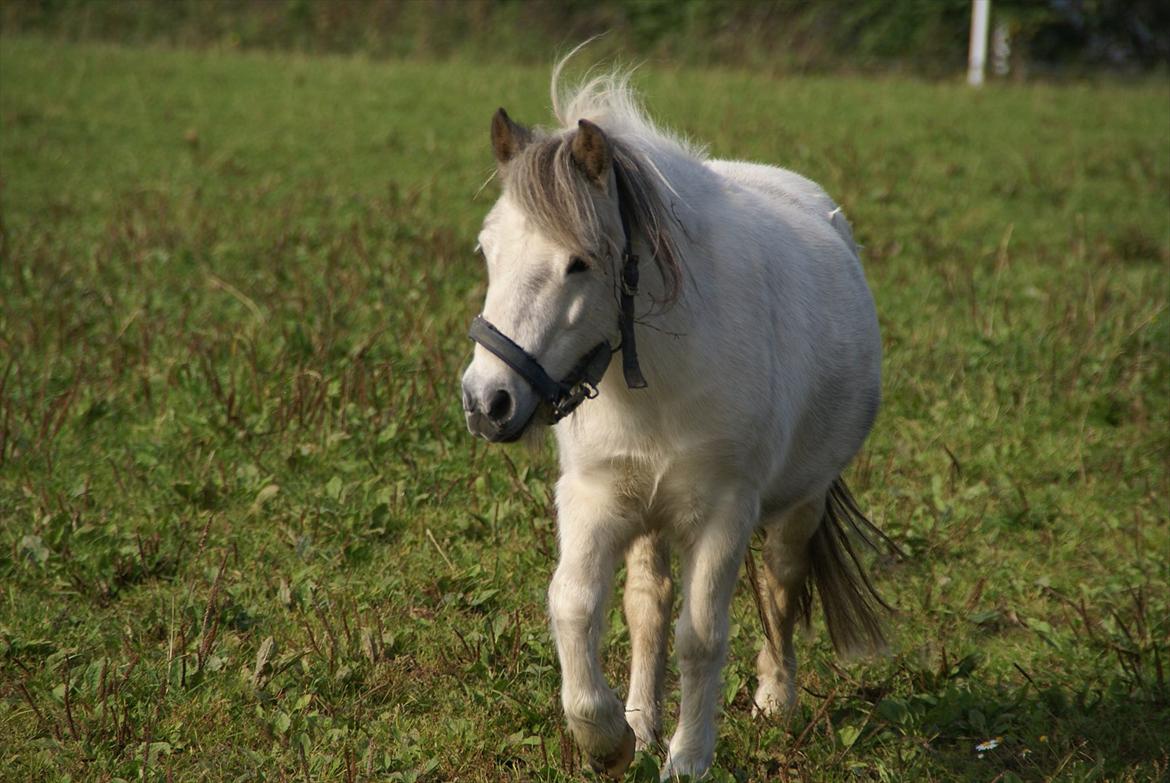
(630, 275)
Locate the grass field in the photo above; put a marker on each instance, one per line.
(244, 534)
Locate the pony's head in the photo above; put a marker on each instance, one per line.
(572, 201)
(550, 244)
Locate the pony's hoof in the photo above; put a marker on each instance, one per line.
(615, 764)
(773, 700)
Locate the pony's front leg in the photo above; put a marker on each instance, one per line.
(593, 533)
(710, 570)
(647, 600)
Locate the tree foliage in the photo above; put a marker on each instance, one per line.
(926, 36)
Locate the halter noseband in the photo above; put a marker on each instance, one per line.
(581, 383)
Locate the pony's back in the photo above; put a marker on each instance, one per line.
(787, 186)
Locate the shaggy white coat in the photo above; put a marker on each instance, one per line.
(763, 381)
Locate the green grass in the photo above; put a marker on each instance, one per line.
(244, 534)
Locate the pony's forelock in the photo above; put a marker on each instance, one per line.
(546, 184)
(605, 97)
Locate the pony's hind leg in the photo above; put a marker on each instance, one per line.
(647, 603)
(805, 547)
(784, 597)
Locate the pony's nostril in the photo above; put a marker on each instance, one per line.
(500, 406)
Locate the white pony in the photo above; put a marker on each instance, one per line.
(754, 335)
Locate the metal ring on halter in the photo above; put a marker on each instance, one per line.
(564, 395)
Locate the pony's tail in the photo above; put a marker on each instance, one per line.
(852, 605)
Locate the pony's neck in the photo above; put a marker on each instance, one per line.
(681, 181)
(667, 311)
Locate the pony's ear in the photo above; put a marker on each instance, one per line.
(508, 138)
(592, 153)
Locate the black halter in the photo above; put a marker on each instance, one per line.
(581, 383)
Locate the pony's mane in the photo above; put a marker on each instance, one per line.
(549, 188)
(607, 99)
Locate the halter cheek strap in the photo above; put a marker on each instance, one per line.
(630, 367)
(581, 383)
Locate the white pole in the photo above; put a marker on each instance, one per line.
(977, 51)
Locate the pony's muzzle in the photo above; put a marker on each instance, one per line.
(495, 414)
(486, 417)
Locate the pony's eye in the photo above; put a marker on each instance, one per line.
(577, 264)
